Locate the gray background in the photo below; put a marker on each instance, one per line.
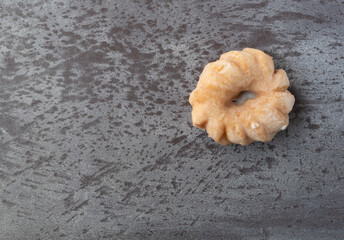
(96, 140)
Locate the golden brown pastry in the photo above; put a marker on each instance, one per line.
(257, 119)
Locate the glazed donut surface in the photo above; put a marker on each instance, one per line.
(257, 119)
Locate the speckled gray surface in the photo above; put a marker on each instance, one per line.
(96, 140)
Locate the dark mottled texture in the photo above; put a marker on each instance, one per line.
(96, 140)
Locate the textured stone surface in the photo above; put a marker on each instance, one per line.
(96, 140)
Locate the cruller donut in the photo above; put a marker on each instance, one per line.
(257, 119)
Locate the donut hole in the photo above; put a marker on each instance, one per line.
(242, 97)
